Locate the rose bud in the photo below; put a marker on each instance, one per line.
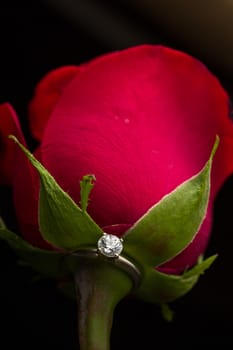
(144, 121)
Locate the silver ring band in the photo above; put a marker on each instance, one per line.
(120, 262)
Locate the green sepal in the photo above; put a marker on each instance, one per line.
(86, 185)
(159, 288)
(62, 223)
(170, 225)
(2, 223)
(167, 312)
(47, 263)
(200, 267)
(162, 233)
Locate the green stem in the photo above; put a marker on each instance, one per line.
(100, 286)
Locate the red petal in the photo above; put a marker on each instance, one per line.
(142, 120)
(47, 93)
(15, 169)
(9, 125)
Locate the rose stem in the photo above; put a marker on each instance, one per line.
(99, 286)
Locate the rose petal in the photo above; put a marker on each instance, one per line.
(143, 121)
(9, 124)
(47, 93)
(16, 170)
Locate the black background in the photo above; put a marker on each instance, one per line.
(34, 38)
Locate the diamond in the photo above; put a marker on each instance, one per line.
(110, 245)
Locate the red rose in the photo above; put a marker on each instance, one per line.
(142, 120)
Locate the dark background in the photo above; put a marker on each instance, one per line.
(35, 37)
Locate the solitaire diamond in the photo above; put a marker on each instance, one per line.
(110, 245)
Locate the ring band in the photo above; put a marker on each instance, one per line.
(121, 262)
